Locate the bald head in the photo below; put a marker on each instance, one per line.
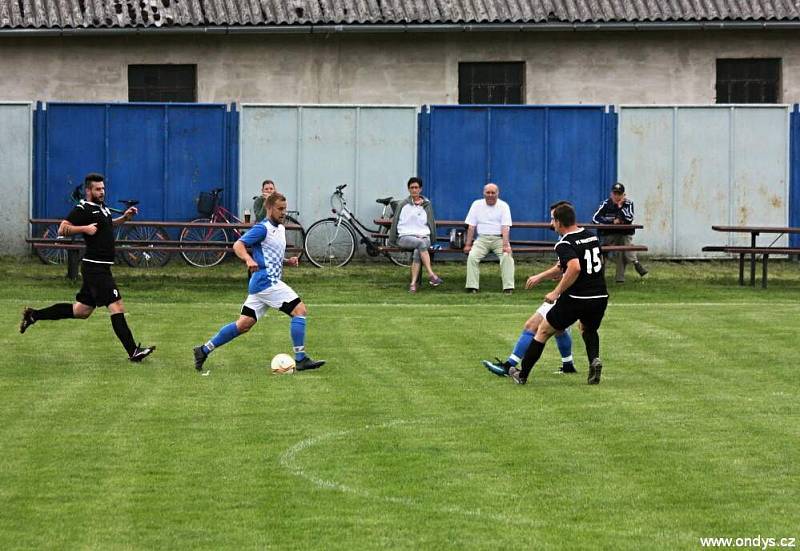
(490, 193)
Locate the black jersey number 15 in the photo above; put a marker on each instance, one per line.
(593, 262)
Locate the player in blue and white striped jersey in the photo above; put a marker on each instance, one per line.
(266, 289)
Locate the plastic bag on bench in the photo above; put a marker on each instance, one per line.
(456, 239)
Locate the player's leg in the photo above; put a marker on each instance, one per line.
(136, 352)
(501, 368)
(590, 318)
(559, 317)
(252, 309)
(564, 343)
(81, 309)
(297, 310)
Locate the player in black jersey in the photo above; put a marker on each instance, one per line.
(93, 219)
(580, 295)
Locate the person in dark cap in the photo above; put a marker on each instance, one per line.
(618, 209)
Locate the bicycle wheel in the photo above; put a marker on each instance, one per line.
(295, 239)
(152, 258)
(202, 259)
(400, 258)
(330, 243)
(48, 255)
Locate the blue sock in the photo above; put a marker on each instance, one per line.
(226, 334)
(298, 330)
(522, 345)
(564, 342)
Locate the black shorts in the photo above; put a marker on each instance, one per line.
(99, 287)
(568, 310)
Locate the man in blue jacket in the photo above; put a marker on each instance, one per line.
(618, 209)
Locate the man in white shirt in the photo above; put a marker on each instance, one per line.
(491, 216)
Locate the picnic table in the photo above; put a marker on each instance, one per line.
(753, 250)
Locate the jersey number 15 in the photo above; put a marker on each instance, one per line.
(593, 262)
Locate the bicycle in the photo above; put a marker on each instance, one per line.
(331, 242)
(208, 205)
(140, 235)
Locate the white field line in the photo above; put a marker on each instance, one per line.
(288, 461)
(533, 304)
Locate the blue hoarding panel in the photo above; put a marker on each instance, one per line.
(536, 154)
(135, 158)
(794, 186)
(161, 154)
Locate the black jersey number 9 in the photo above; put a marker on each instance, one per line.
(593, 262)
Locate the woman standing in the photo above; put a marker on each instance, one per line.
(414, 228)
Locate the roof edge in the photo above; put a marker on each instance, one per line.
(406, 28)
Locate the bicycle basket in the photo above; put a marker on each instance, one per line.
(206, 203)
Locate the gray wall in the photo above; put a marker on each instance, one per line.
(688, 168)
(309, 150)
(600, 67)
(15, 184)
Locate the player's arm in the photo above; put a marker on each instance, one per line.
(240, 250)
(550, 273)
(127, 215)
(251, 238)
(76, 222)
(570, 275)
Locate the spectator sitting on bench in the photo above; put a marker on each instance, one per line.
(491, 216)
(618, 209)
(259, 205)
(414, 228)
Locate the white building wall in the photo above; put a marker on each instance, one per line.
(15, 183)
(597, 67)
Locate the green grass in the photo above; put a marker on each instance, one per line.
(403, 440)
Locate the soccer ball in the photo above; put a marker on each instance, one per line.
(282, 364)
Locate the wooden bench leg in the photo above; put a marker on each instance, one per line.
(741, 268)
(73, 261)
(765, 260)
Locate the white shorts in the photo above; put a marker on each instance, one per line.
(271, 297)
(544, 308)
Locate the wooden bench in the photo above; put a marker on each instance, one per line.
(765, 253)
(523, 246)
(75, 246)
(538, 249)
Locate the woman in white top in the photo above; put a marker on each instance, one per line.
(414, 228)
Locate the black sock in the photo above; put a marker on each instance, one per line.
(59, 311)
(592, 341)
(123, 333)
(532, 355)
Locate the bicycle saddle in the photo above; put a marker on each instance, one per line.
(384, 201)
(129, 202)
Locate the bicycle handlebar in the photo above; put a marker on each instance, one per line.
(341, 187)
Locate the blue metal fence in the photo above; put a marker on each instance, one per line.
(536, 154)
(161, 154)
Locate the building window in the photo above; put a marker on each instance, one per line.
(748, 80)
(491, 82)
(164, 83)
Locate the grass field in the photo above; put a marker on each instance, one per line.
(403, 440)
